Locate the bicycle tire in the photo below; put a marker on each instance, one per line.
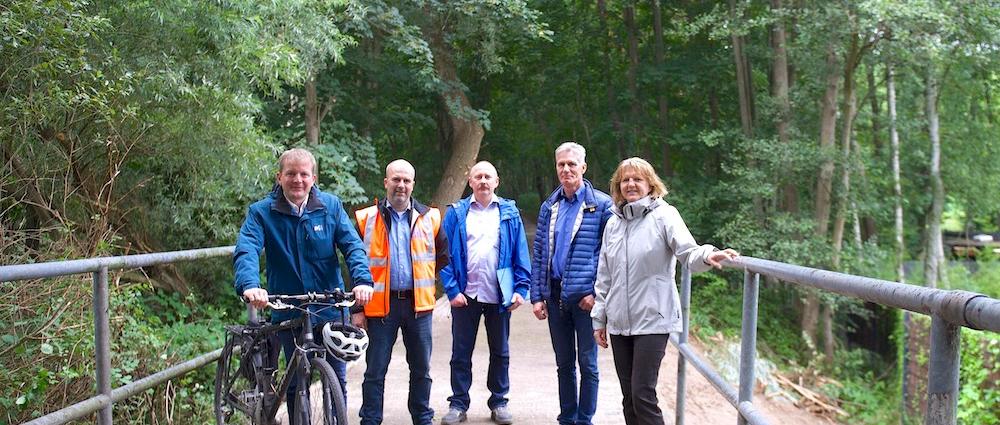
(238, 399)
(333, 408)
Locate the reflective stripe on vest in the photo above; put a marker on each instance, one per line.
(422, 252)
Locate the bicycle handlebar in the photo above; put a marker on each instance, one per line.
(337, 297)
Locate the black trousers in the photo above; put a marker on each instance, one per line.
(637, 361)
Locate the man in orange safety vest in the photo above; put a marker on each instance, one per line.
(405, 250)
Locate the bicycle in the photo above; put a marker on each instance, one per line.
(247, 385)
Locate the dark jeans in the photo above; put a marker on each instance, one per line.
(382, 333)
(637, 361)
(288, 346)
(464, 328)
(572, 335)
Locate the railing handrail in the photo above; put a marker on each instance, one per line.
(950, 310)
(962, 308)
(106, 397)
(70, 267)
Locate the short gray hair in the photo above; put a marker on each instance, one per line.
(574, 147)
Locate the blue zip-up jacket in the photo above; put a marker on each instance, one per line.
(513, 250)
(299, 250)
(585, 247)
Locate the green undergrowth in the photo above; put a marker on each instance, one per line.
(865, 384)
(860, 380)
(717, 308)
(150, 331)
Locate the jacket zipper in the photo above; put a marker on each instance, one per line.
(628, 305)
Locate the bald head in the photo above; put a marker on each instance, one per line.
(399, 178)
(483, 180)
(401, 165)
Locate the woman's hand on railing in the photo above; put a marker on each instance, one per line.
(716, 258)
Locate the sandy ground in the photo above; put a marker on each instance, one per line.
(533, 395)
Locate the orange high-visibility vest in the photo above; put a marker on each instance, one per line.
(423, 230)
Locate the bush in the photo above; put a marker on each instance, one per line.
(150, 331)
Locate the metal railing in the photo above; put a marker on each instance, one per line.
(949, 310)
(106, 396)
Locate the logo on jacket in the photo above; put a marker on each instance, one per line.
(318, 228)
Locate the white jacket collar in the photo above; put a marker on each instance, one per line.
(637, 209)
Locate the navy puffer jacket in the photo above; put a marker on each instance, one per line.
(581, 267)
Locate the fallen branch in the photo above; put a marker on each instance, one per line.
(811, 395)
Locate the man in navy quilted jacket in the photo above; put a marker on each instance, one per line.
(563, 269)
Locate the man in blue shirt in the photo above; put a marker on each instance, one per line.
(297, 226)
(564, 267)
(487, 278)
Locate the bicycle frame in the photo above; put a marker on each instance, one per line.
(298, 366)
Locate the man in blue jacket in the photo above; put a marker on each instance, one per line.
(487, 278)
(297, 226)
(564, 266)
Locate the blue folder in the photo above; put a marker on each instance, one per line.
(505, 277)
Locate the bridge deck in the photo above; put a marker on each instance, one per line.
(533, 396)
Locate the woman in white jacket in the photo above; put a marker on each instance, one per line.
(637, 300)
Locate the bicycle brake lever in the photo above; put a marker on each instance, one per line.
(278, 305)
(345, 304)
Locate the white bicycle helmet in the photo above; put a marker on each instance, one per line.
(344, 341)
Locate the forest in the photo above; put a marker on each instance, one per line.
(856, 136)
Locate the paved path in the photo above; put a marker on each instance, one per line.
(533, 396)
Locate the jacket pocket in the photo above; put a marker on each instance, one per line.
(319, 238)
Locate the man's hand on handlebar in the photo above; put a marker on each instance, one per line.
(362, 294)
(257, 297)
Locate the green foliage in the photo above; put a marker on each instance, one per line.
(985, 280)
(979, 395)
(863, 388)
(149, 126)
(150, 331)
(718, 309)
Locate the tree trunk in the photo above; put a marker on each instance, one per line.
(632, 32)
(662, 112)
(876, 112)
(779, 87)
(844, 197)
(744, 87)
(848, 110)
(312, 112)
(934, 262)
(865, 230)
(828, 122)
(890, 87)
(810, 318)
(465, 131)
(609, 93)
(743, 83)
(38, 204)
(713, 107)
(829, 342)
(988, 99)
(824, 183)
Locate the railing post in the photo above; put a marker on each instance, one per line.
(748, 343)
(942, 381)
(102, 341)
(681, 361)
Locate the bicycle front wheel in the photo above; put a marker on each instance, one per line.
(326, 404)
(238, 400)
